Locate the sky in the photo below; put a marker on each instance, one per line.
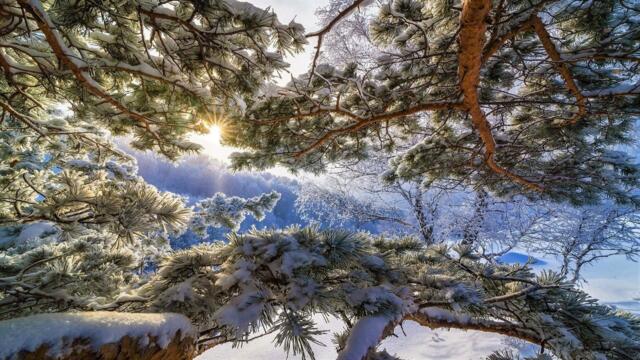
(303, 12)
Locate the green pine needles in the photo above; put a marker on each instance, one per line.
(523, 98)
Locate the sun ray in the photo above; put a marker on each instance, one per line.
(211, 141)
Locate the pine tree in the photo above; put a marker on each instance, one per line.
(79, 226)
(517, 97)
(514, 96)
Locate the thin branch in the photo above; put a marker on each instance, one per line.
(320, 33)
(364, 123)
(562, 68)
(526, 291)
(27, 120)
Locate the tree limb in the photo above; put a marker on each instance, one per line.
(366, 122)
(562, 68)
(471, 41)
(63, 54)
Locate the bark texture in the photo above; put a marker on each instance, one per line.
(471, 41)
(127, 348)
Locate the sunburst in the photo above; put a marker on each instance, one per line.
(212, 140)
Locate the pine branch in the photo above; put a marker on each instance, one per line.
(471, 41)
(562, 68)
(74, 64)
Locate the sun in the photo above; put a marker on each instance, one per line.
(211, 143)
(215, 134)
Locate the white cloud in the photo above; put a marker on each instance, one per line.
(613, 279)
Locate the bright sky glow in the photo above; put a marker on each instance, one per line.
(215, 133)
(211, 143)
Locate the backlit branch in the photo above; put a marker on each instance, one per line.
(364, 123)
(73, 63)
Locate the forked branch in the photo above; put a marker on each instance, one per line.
(471, 42)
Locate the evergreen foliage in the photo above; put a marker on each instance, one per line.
(532, 97)
(270, 281)
(79, 226)
(148, 69)
(509, 95)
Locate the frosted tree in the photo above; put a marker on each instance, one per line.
(512, 96)
(335, 206)
(222, 211)
(76, 221)
(77, 238)
(581, 237)
(422, 206)
(350, 38)
(576, 236)
(518, 97)
(443, 212)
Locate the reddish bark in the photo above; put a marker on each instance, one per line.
(471, 40)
